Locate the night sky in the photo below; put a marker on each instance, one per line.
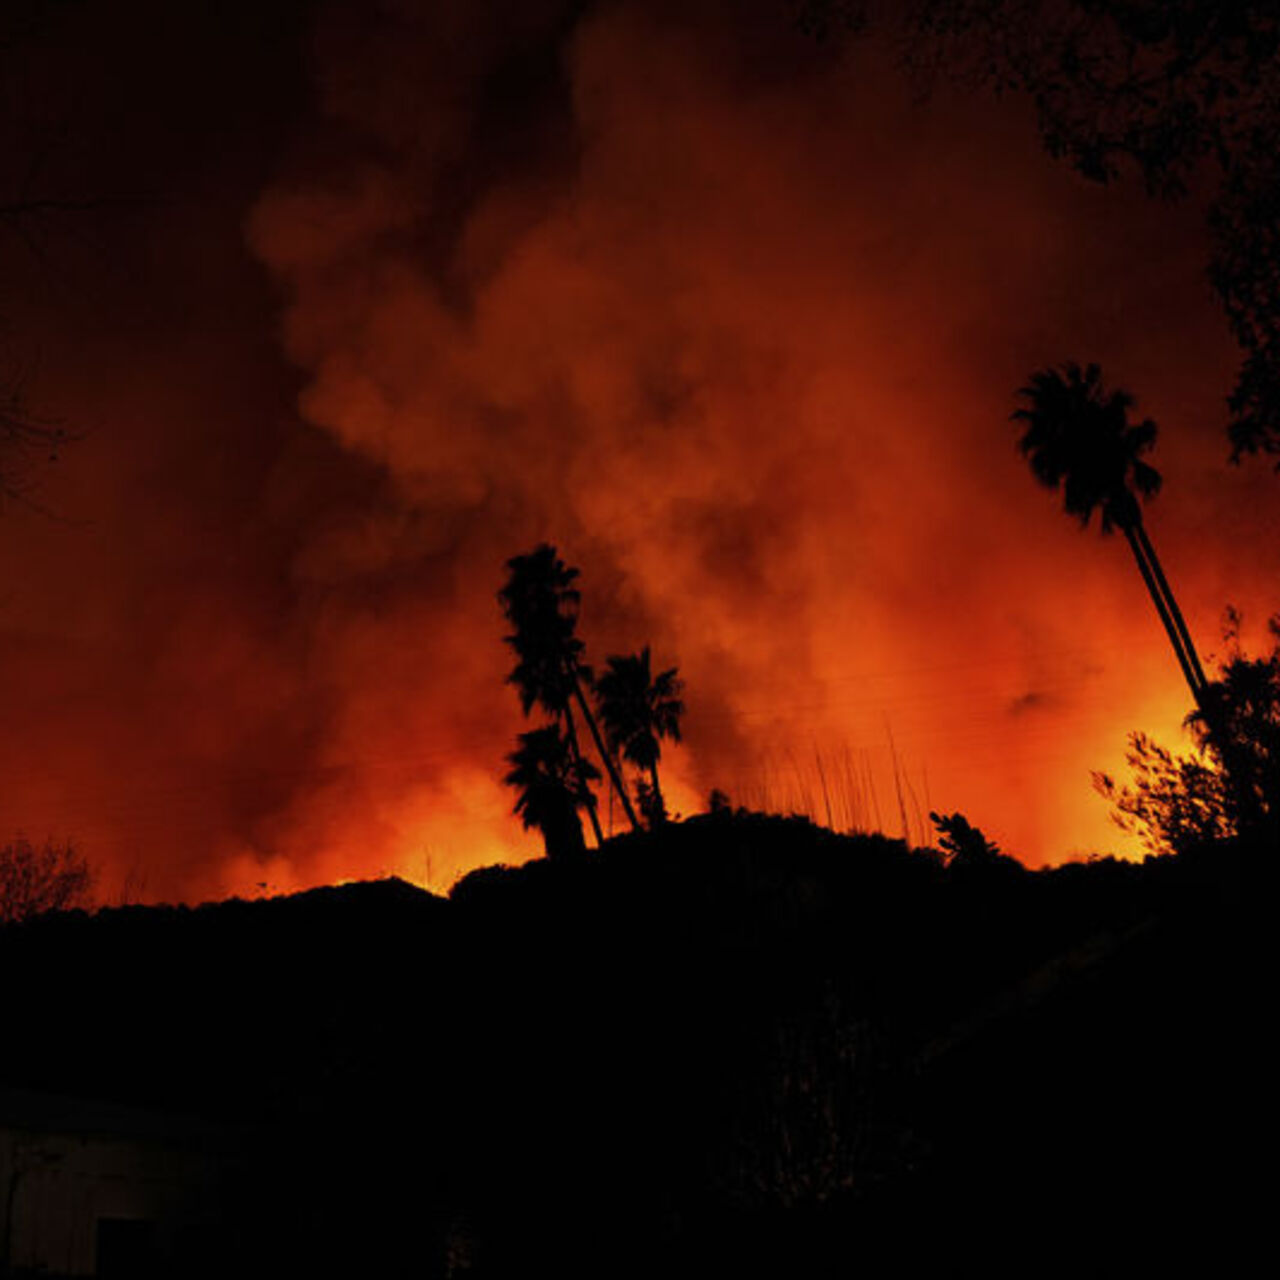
(345, 304)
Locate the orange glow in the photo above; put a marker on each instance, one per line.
(744, 348)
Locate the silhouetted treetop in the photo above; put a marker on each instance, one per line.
(541, 603)
(640, 709)
(1171, 88)
(1184, 93)
(962, 843)
(553, 784)
(39, 878)
(1240, 723)
(1173, 802)
(1077, 436)
(1231, 785)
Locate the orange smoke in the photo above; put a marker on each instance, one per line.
(736, 325)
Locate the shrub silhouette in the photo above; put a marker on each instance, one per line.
(962, 844)
(35, 879)
(1181, 801)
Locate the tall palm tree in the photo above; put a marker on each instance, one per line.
(1077, 436)
(554, 783)
(639, 710)
(541, 603)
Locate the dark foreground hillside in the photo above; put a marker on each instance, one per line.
(743, 1045)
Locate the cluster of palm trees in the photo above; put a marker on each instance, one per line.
(637, 710)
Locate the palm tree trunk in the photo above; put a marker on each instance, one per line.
(1162, 608)
(1249, 813)
(610, 767)
(1229, 757)
(659, 804)
(572, 733)
(1154, 561)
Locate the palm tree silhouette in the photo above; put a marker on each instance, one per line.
(1077, 436)
(554, 783)
(541, 603)
(639, 709)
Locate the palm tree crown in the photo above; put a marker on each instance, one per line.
(541, 603)
(638, 710)
(553, 784)
(1078, 436)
